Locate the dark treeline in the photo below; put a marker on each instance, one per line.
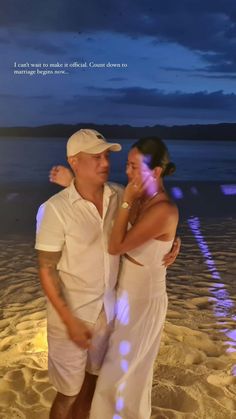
(189, 132)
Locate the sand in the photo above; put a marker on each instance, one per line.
(195, 372)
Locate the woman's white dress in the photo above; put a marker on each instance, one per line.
(124, 385)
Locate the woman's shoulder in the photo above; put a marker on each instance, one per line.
(164, 208)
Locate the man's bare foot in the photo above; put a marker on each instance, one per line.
(61, 175)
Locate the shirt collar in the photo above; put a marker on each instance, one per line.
(74, 195)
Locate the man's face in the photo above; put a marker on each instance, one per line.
(93, 168)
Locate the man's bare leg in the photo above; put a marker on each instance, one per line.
(82, 404)
(62, 406)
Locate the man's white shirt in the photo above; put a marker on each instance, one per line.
(88, 273)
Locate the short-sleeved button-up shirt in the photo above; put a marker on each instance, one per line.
(88, 273)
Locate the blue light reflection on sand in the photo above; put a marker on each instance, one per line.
(223, 302)
(234, 370)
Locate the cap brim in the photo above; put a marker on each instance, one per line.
(102, 147)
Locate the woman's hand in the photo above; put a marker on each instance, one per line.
(136, 188)
(61, 175)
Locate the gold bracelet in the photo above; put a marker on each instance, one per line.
(125, 205)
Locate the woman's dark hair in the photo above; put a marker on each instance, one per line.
(157, 154)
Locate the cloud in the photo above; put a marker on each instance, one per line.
(117, 79)
(43, 46)
(26, 110)
(23, 98)
(4, 40)
(124, 106)
(187, 22)
(156, 98)
(221, 63)
(206, 71)
(32, 40)
(206, 26)
(220, 76)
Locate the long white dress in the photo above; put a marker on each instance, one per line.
(124, 385)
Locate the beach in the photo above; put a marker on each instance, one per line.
(195, 371)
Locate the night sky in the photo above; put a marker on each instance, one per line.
(176, 62)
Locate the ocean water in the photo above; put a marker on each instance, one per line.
(30, 159)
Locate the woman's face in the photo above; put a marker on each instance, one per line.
(136, 167)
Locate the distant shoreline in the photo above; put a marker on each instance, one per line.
(208, 132)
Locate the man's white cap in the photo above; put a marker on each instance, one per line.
(89, 141)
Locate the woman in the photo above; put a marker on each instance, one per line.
(143, 233)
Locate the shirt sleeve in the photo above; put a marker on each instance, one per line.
(50, 235)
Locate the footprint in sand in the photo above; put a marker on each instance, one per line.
(158, 414)
(13, 413)
(31, 269)
(46, 393)
(4, 323)
(172, 397)
(171, 314)
(203, 303)
(221, 380)
(36, 362)
(183, 354)
(39, 315)
(23, 325)
(217, 389)
(40, 387)
(16, 379)
(215, 364)
(47, 397)
(41, 376)
(177, 376)
(6, 343)
(29, 397)
(8, 397)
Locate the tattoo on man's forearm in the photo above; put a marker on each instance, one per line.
(49, 260)
(58, 287)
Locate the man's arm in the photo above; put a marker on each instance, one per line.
(170, 257)
(50, 281)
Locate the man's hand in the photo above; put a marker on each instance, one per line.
(170, 257)
(79, 332)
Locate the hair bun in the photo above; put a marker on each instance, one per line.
(169, 169)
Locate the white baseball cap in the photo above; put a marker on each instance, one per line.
(89, 141)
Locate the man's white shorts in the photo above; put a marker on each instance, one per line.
(67, 362)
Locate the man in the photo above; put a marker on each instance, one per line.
(77, 273)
